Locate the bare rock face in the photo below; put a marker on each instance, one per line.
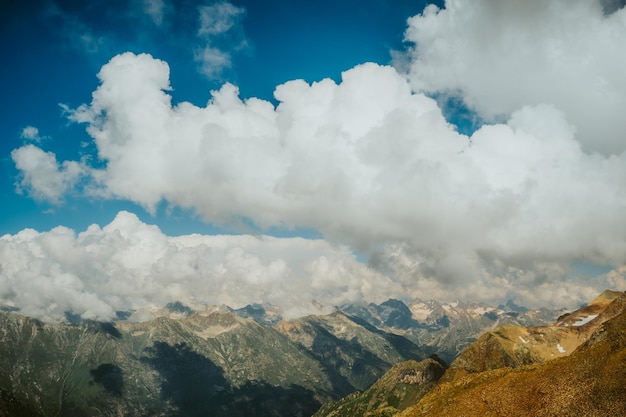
(431, 371)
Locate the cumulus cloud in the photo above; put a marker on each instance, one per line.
(42, 177)
(370, 164)
(128, 264)
(31, 133)
(499, 56)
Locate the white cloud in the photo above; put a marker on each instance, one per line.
(212, 61)
(131, 265)
(155, 9)
(31, 133)
(220, 33)
(218, 18)
(370, 164)
(502, 55)
(42, 176)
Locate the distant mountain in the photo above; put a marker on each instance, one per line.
(353, 353)
(264, 314)
(586, 376)
(446, 329)
(392, 314)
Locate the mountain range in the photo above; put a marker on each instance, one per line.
(249, 361)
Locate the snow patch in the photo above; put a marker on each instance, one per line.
(560, 348)
(584, 320)
(421, 314)
(523, 340)
(479, 311)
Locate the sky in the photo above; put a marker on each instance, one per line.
(301, 153)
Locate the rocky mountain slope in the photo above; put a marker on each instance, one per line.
(588, 381)
(189, 364)
(355, 353)
(572, 367)
(514, 346)
(446, 329)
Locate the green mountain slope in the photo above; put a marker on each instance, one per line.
(402, 386)
(219, 364)
(196, 364)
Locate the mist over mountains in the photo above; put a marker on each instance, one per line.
(129, 265)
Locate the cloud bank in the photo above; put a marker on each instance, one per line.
(371, 162)
(129, 265)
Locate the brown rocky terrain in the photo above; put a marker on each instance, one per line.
(588, 381)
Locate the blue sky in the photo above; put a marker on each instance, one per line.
(321, 151)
